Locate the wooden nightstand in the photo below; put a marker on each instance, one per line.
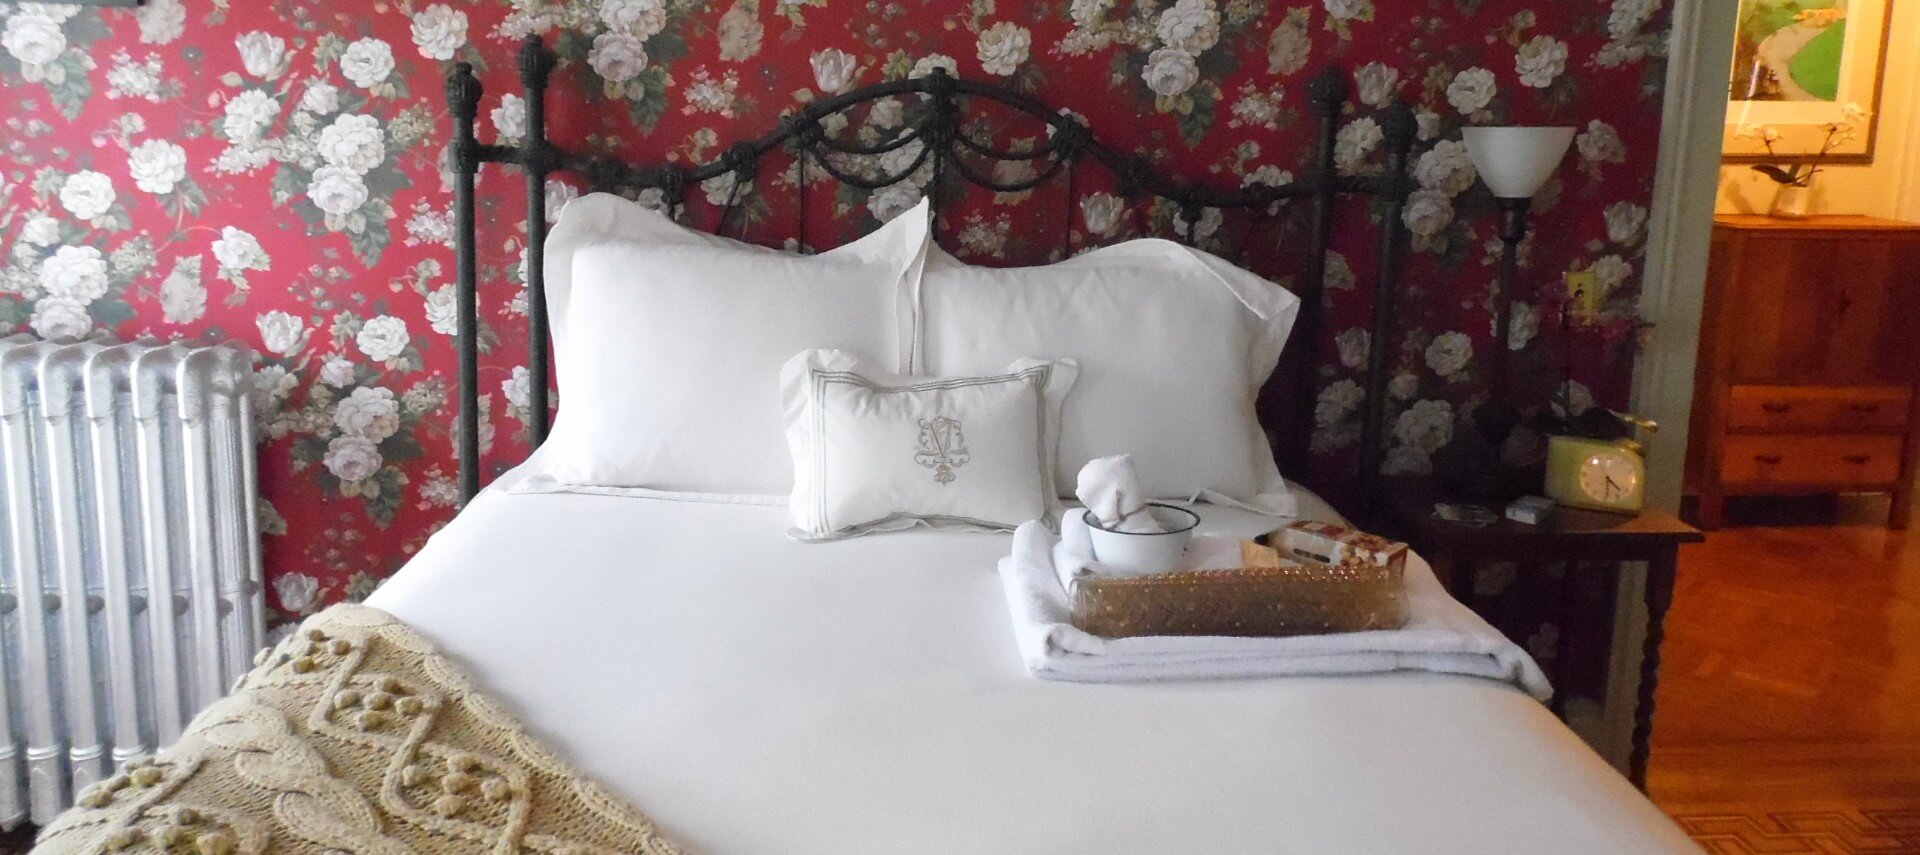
(1570, 538)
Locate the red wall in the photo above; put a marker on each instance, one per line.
(269, 171)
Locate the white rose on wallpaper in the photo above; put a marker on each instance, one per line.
(1445, 168)
(510, 118)
(1449, 353)
(1541, 61)
(1427, 425)
(1340, 276)
(1337, 401)
(1189, 25)
(337, 191)
(517, 388)
(1268, 175)
(336, 372)
(135, 79)
(156, 166)
(238, 251)
(1257, 109)
(1103, 212)
(41, 230)
(642, 18)
(281, 333)
(382, 338)
(926, 64)
(1290, 46)
(1378, 83)
(559, 195)
(1404, 385)
(1626, 223)
(1577, 397)
(1600, 143)
(442, 312)
(893, 200)
(161, 21)
(1353, 344)
(34, 39)
(1350, 10)
(75, 272)
(1003, 48)
(352, 141)
(1170, 72)
(1428, 213)
(740, 31)
(834, 69)
(299, 593)
(1524, 324)
(1472, 90)
(60, 318)
(321, 98)
(367, 62)
(617, 57)
(1403, 460)
(1355, 142)
(352, 458)
(368, 411)
(183, 297)
(248, 115)
(263, 55)
(1086, 13)
(1611, 272)
(890, 113)
(1628, 16)
(87, 194)
(439, 31)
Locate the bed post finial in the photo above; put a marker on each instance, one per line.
(1400, 127)
(1328, 91)
(536, 63)
(463, 101)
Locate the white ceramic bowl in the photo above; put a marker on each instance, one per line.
(1144, 553)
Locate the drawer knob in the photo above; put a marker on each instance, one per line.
(1865, 408)
(1776, 406)
(1768, 459)
(1857, 458)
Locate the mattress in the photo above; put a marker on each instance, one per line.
(758, 695)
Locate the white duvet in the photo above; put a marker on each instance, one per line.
(866, 696)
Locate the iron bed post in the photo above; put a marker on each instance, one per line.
(1399, 126)
(1329, 95)
(463, 101)
(536, 65)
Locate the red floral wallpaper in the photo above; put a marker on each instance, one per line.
(271, 171)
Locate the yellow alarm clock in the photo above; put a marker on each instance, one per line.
(1598, 474)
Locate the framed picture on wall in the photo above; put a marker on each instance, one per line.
(1801, 69)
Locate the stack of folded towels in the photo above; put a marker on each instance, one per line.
(1440, 635)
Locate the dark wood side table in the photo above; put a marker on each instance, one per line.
(1567, 535)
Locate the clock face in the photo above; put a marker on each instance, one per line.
(1609, 476)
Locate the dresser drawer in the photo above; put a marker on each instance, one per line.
(1801, 408)
(1811, 460)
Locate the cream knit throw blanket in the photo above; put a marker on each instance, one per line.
(353, 735)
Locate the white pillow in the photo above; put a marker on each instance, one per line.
(668, 344)
(875, 451)
(1173, 346)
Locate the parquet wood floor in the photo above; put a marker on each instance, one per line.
(1789, 707)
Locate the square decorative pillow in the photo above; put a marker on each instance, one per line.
(876, 451)
(668, 345)
(1173, 345)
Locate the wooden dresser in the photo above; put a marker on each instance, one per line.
(1809, 358)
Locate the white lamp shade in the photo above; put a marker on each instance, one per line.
(1516, 161)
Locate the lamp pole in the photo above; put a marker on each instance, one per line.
(1513, 230)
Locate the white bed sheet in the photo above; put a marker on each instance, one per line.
(757, 695)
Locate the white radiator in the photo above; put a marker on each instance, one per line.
(130, 589)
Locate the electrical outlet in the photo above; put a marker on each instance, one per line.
(1583, 291)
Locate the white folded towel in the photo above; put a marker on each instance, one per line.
(1110, 488)
(1441, 635)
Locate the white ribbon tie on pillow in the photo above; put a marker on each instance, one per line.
(1110, 488)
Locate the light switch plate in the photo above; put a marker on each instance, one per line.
(1583, 289)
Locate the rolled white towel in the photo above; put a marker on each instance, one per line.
(1110, 488)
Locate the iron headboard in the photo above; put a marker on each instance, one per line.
(943, 142)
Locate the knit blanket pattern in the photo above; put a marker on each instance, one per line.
(354, 734)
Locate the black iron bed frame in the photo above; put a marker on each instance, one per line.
(944, 142)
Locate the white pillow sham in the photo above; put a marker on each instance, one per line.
(876, 451)
(1173, 345)
(668, 344)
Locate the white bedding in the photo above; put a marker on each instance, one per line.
(866, 696)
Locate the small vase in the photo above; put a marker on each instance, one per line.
(1792, 201)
